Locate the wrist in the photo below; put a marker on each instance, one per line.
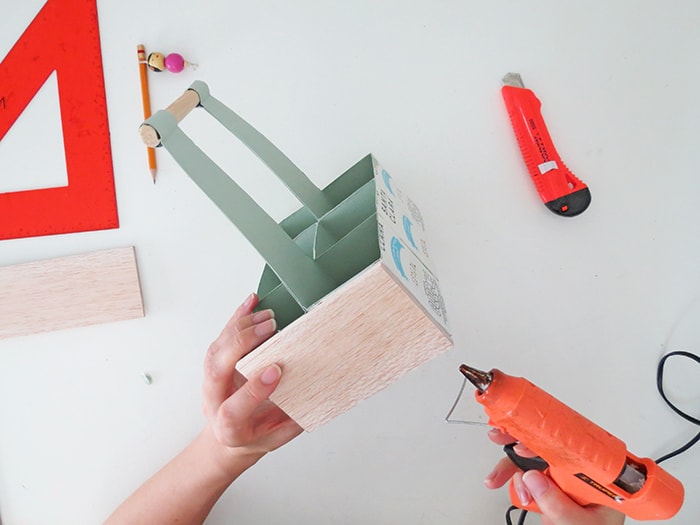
(225, 462)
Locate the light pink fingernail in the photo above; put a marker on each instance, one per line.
(262, 315)
(266, 328)
(271, 374)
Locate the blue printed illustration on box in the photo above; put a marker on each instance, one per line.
(401, 211)
(403, 246)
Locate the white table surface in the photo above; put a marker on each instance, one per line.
(584, 307)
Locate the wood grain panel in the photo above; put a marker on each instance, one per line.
(67, 292)
(362, 337)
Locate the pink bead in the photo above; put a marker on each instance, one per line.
(174, 63)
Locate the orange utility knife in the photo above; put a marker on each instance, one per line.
(560, 190)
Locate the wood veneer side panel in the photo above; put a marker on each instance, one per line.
(362, 337)
(68, 292)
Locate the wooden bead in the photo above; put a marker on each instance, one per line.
(173, 62)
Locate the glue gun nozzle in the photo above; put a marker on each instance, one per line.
(481, 380)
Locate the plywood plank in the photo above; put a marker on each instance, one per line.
(362, 337)
(67, 292)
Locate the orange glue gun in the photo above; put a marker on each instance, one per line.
(585, 461)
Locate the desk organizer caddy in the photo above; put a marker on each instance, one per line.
(348, 274)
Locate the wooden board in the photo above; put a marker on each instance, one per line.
(79, 290)
(361, 338)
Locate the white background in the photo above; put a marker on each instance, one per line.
(584, 306)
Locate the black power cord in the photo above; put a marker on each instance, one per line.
(660, 388)
(521, 518)
(687, 417)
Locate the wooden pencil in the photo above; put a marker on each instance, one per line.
(146, 99)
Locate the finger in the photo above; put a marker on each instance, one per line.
(273, 427)
(242, 311)
(226, 351)
(501, 438)
(553, 503)
(285, 433)
(235, 333)
(234, 420)
(521, 490)
(500, 474)
(524, 452)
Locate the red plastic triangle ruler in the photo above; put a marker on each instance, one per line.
(63, 37)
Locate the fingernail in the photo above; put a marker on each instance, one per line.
(521, 491)
(536, 483)
(488, 479)
(262, 315)
(271, 374)
(521, 450)
(266, 328)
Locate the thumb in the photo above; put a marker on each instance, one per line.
(256, 390)
(241, 405)
(552, 501)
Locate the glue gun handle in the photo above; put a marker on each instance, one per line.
(525, 463)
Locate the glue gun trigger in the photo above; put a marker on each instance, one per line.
(525, 464)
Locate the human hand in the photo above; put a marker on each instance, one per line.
(244, 422)
(242, 426)
(557, 508)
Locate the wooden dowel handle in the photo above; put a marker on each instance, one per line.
(184, 104)
(180, 108)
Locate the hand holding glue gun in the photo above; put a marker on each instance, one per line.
(557, 508)
(587, 463)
